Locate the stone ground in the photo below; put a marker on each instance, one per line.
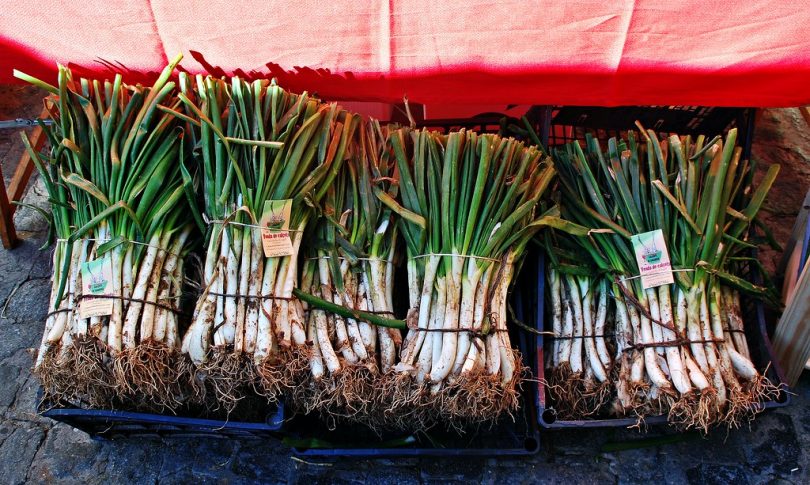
(774, 449)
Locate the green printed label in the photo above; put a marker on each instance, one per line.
(275, 223)
(97, 282)
(652, 258)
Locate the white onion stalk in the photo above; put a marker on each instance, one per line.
(122, 282)
(63, 318)
(575, 302)
(165, 327)
(243, 291)
(367, 331)
(196, 341)
(470, 281)
(677, 373)
(80, 324)
(599, 326)
(442, 368)
(556, 315)
(589, 326)
(508, 364)
(147, 323)
(352, 298)
(379, 301)
(50, 321)
(415, 339)
(254, 303)
(133, 313)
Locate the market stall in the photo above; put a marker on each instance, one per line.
(369, 275)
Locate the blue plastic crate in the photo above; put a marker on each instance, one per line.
(113, 424)
(509, 442)
(756, 333)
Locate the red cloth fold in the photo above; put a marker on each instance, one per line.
(587, 52)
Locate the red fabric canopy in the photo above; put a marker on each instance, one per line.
(583, 52)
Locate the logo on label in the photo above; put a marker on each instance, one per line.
(652, 255)
(275, 221)
(97, 284)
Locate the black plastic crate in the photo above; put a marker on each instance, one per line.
(755, 331)
(113, 424)
(309, 437)
(571, 123)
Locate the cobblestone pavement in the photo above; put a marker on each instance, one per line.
(775, 448)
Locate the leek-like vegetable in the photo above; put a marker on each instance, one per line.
(257, 143)
(700, 195)
(113, 174)
(351, 264)
(467, 206)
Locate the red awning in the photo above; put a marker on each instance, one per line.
(585, 52)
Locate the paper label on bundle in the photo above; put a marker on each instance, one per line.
(653, 259)
(275, 223)
(97, 281)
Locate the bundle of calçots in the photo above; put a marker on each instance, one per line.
(467, 206)
(267, 156)
(351, 264)
(700, 195)
(113, 176)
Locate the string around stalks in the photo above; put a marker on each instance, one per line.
(640, 307)
(252, 297)
(226, 222)
(347, 259)
(465, 256)
(672, 343)
(656, 273)
(475, 333)
(553, 336)
(136, 300)
(79, 298)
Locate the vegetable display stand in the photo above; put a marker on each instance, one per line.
(755, 332)
(106, 424)
(309, 436)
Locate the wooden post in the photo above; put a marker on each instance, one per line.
(19, 181)
(7, 233)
